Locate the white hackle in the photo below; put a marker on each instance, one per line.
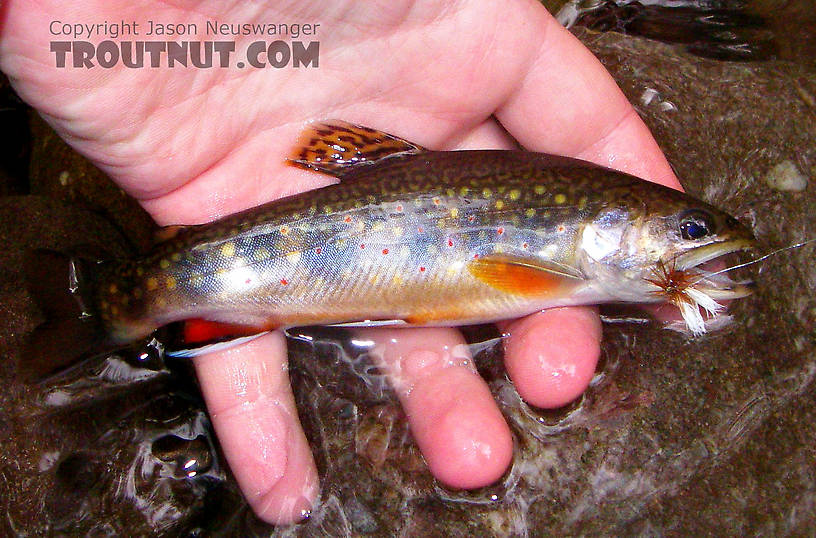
(693, 299)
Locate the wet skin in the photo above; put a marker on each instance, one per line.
(201, 144)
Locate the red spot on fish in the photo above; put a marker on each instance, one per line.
(500, 231)
(475, 256)
(421, 269)
(421, 229)
(525, 245)
(399, 208)
(450, 242)
(362, 245)
(284, 281)
(247, 281)
(284, 230)
(561, 228)
(318, 250)
(347, 218)
(385, 251)
(471, 218)
(436, 201)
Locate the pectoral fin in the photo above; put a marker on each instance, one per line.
(335, 147)
(521, 276)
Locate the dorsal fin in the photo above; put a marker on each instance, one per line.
(335, 147)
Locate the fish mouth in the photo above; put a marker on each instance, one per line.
(713, 268)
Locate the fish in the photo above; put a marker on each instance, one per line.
(409, 236)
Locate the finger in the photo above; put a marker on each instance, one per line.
(453, 416)
(568, 104)
(489, 134)
(551, 356)
(253, 411)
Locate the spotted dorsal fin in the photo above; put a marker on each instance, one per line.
(335, 147)
(528, 277)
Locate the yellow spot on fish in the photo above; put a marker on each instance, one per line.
(487, 193)
(499, 204)
(161, 302)
(397, 231)
(559, 198)
(450, 192)
(377, 226)
(499, 249)
(152, 283)
(164, 264)
(228, 250)
(539, 189)
(113, 288)
(582, 202)
(454, 212)
(360, 226)
(515, 194)
(260, 253)
(139, 271)
(529, 213)
(197, 279)
(373, 278)
(404, 251)
(114, 310)
(464, 191)
(397, 280)
(176, 257)
(327, 209)
(293, 257)
(170, 282)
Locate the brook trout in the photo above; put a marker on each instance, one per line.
(422, 237)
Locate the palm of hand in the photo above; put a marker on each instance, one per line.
(196, 144)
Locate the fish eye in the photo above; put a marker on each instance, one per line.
(696, 224)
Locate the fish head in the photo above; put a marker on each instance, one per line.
(654, 244)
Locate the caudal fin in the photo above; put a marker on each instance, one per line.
(60, 286)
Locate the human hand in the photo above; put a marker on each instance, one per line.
(193, 145)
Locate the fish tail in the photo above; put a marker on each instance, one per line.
(62, 286)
